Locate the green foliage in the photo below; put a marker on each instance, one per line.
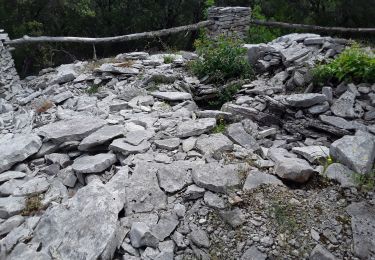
(355, 64)
(168, 59)
(365, 181)
(93, 89)
(220, 127)
(283, 214)
(261, 34)
(225, 95)
(221, 59)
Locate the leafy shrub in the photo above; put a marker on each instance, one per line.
(355, 64)
(261, 34)
(222, 59)
(226, 94)
(168, 59)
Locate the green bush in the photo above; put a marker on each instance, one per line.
(221, 59)
(355, 65)
(261, 34)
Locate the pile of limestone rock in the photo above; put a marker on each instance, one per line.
(113, 159)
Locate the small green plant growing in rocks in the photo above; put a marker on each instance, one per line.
(355, 64)
(282, 213)
(93, 89)
(365, 181)
(220, 127)
(168, 59)
(33, 206)
(225, 95)
(222, 59)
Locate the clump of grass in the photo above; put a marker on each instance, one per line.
(43, 106)
(366, 182)
(225, 95)
(283, 214)
(355, 64)
(93, 89)
(33, 206)
(222, 59)
(220, 127)
(168, 59)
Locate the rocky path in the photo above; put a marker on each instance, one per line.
(114, 160)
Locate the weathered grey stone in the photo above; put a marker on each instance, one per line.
(168, 144)
(237, 134)
(137, 137)
(327, 91)
(32, 187)
(63, 160)
(217, 177)
(70, 130)
(346, 107)
(312, 153)
(234, 218)
(165, 226)
(320, 253)
(57, 99)
(337, 121)
(297, 170)
(319, 109)
(357, 152)
(279, 154)
(10, 224)
(193, 192)
(189, 144)
(119, 145)
(363, 226)
(214, 201)
(174, 177)
(195, 127)
(305, 100)
(18, 149)
(22, 251)
(341, 174)
(172, 96)
(94, 209)
(117, 69)
(94, 164)
(199, 238)
(143, 193)
(11, 206)
(141, 235)
(256, 178)
(253, 254)
(101, 136)
(10, 175)
(214, 145)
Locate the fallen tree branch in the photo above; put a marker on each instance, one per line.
(136, 36)
(313, 27)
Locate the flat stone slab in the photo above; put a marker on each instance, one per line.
(214, 145)
(117, 69)
(120, 145)
(175, 176)
(11, 206)
(9, 175)
(297, 170)
(237, 134)
(93, 210)
(94, 164)
(217, 177)
(101, 136)
(257, 178)
(305, 100)
(312, 153)
(168, 144)
(195, 127)
(363, 227)
(70, 130)
(172, 96)
(18, 149)
(357, 152)
(143, 192)
(346, 106)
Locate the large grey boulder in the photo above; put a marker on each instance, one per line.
(256, 178)
(214, 145)
(70, 130)
(237, 134)
(363, 228)
(85, 226)
(195, 127)
(217, 177)
(165, 226)
(143, 192)
(23, 251)
(297, 170)
(17, 150)
(172, 96)
(357, 152)
(94, 164)
(305, 100)
(101, 136)
(312, 153)
(342, 174)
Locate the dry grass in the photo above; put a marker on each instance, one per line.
(33, 206)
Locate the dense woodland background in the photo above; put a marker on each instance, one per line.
(97, 18)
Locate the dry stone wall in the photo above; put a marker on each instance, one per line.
(8, 73)
(229, 21)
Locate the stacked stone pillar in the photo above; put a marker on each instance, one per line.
(229, 21)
